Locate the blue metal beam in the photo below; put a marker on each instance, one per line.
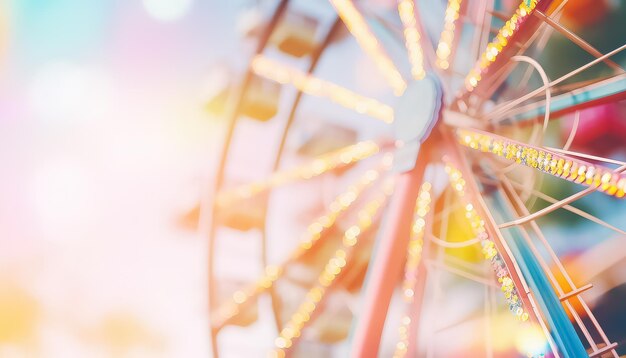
(561, 328)
(610, 90)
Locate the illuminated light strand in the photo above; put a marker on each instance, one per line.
(495, 47)
(313, 234)
(413, 257)
(365, 219)
(232, 308)
(559, 165)
(489, 249)
(369, 43)
(444, 47)
(406, 10)
(318, 166)
(314, 86)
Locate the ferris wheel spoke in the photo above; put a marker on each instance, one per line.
(315, 234)
(552, 200)
(555, 206)
(543, 38)
(386, 264)
(489, 282)
(491, 251)
(495, 49)
(539, 47)
(450, 36)
(357, 25)
(311, 85)
(560, 165)
(546, 269)
(588, 156)
(412, 37)
(320, 165)
(564, 339)
(548, 209)
(612, 89)
(333, 269)
(413, 283)
(577, 40)
(523, 35)
(530, 298)
(558, 90)
(573, 292)
(507, 268)
(437, 260)
(483, 24)
(498, 111)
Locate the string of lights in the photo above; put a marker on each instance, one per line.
(559, 165)
(489, 249)
(406, 10)
(501, 40)
(357, 25)
(335, 265)
(316, 167)
(413, 257)
(314, 86)
(310, 238)
(444, 47)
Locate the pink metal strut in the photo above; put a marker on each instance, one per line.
(386, 266)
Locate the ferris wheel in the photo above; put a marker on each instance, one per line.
(424, 188)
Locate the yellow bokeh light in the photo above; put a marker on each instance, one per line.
(531, 341)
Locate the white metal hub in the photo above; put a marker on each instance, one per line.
(415, 115)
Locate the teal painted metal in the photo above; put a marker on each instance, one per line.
(579, 98)
(561, 329)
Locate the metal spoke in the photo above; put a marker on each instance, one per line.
(499, 110)
(412, 37)
(561, 203)
(316, 231)
(500, 42)
(316, 167)
(576, 39)
(492, 252)
(449, 38)
(560, 165)
(357, 25)
(590, 94)
(488, 282)
(553, 200)
(412, 267)
(588, 156)
(333, 268)
(563, 296)
(314, 86)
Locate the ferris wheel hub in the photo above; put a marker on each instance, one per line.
(416, 114)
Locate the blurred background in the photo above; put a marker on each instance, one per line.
(111, 116)
(104, 141)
